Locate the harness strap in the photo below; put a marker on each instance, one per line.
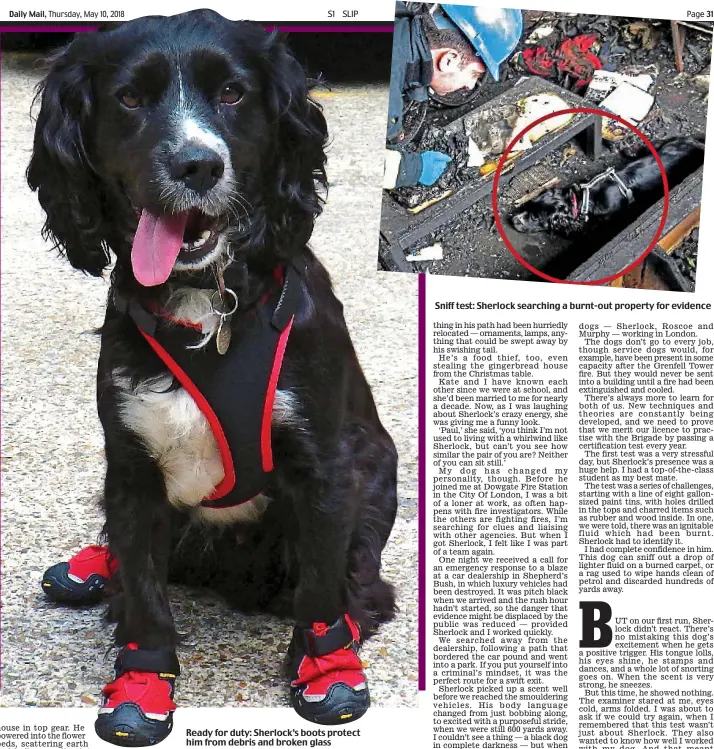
(151, 661)
(289, 300)
(143, 319)
(235, 392)
(339, 635)
(228, 482)
(607, 174)
(624, 189)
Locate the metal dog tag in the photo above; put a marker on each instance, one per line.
(223, 337)
(223, 334)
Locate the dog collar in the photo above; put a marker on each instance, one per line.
(574, 199)
(235, 391)
(607, 174)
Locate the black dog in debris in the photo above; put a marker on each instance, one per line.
(612, 195)
(244, 450)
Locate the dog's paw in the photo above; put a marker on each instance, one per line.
(138, 705)
(82, 579)
(329, 687)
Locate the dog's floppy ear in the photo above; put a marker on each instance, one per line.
(60, 169)
(301, 132)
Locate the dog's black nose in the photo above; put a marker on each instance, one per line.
(198, 167)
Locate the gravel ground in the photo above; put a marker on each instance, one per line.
(52, 466)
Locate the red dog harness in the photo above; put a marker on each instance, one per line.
(234, 391)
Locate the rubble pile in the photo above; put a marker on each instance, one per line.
(686, 256)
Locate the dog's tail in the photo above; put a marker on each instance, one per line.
(694, 146)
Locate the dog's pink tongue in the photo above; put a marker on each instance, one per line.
(157, 243)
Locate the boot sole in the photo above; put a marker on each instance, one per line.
(58, 586)
(342, 704)
(128, 726)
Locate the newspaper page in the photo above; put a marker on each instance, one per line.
(567, 400)
(357, 376)
(197, 141)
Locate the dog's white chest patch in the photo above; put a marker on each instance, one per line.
(179, 437)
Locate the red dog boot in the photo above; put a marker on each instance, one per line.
(138, 705)
(330, 687)
(82, 579)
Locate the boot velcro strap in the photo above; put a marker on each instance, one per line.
(339, 635)
(163, 662)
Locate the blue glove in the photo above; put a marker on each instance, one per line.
(433, 165)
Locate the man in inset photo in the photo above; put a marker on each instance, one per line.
(440, 49)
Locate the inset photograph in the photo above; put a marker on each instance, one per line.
(575, 119)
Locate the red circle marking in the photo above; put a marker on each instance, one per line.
(502, 162)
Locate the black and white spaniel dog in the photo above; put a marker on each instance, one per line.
(244, 450)
(613, 196)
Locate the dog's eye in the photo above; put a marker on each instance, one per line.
(130, 98)
(231, 94)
